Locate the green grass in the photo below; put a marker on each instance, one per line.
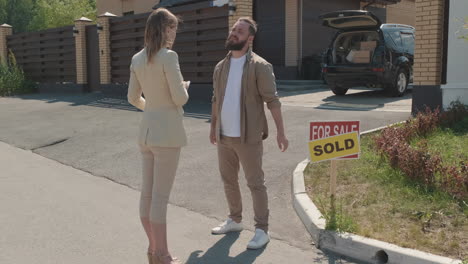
(377, 201)
(450, 143)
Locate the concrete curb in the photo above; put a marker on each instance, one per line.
(353, 246)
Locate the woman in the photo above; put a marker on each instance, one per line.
(155, 72)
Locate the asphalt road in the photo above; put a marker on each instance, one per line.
(98, 135)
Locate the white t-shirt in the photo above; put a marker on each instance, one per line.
(231, 110)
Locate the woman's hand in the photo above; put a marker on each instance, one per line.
(186, 85)
(213, 137)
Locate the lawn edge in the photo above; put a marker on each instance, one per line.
(350, 245)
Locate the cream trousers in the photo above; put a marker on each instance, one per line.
(159, 170)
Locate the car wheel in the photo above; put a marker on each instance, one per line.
(400, 83)
(338, 90)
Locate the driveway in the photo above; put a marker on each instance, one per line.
(358, 99)
(98, 135)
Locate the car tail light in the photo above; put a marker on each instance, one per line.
(378, 69)
(324, 69)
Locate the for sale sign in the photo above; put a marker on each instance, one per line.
(334, 140)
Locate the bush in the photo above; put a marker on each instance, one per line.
(456, 113)
(415, 161)
(12, 79)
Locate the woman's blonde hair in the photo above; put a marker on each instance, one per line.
(155, 32)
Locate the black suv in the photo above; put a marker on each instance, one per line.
(365, 52)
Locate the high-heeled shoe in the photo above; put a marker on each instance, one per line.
(150, 257)
(164, 259)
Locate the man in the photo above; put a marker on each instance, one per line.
(243, 82)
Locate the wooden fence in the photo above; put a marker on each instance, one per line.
(56, 56)
(46, 56)
(199, 43)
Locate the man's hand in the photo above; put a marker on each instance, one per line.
(213, 124)
(213, 137)
(283, 142)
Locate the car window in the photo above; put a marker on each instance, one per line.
(396, 38)
(408, 41)
(390, 41)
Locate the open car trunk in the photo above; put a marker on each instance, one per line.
(351, 20)
(356, 47)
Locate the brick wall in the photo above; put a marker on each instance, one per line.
(144, 6)
(244, 8)
(429, 44)
(111, 6)
(292, 31)
(118, 7)
(402, 13)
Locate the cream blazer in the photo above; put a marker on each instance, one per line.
(161, 82)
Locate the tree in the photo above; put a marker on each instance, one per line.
(57, 13)
(3, 11)
(17, 13)
(33, 15)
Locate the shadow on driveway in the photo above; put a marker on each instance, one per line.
(193, 109)
(369, 99)
(89, 99)
(219, 254)
(285, 94)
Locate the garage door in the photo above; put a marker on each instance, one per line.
(270, 40)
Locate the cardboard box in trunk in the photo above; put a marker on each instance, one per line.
(368, 45)
(359, 56)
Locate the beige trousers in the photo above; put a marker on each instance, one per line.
(159, 170)
(230, 153)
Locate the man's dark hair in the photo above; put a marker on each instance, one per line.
(252, 25)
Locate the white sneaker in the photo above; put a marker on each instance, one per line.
(260, 239)
(227, 226)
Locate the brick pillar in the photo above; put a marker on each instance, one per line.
(428, 46)
(292, 32)
(243, 8)
(80, 42)
(428, 54)
(104, 46)
(5, 30)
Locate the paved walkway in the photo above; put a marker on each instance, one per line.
(52, 213)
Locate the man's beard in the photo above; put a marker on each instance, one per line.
(235, 46)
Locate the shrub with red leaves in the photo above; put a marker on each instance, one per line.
(416, 162)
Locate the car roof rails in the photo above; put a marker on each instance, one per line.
(397, 26)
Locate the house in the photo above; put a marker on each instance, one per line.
(441, 54)
(291, 35)
(455, 86)
(401, 12)
(125, 7)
